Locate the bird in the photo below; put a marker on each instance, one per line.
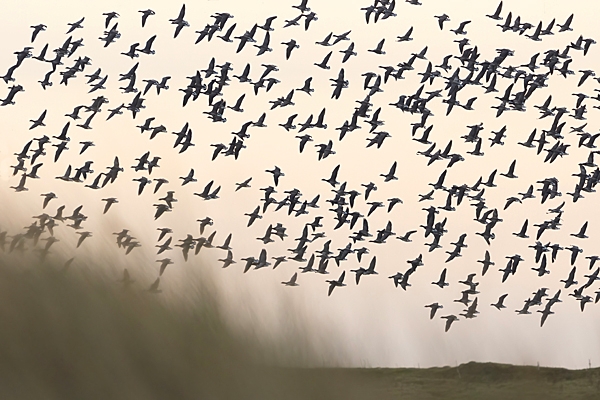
(500, 303)
(511, 171)
(434, 307)
(145, 14)
(323, 64)
(391, 174)
(336, 283)
(82, 237)
(244, 184)
(126, 280)
(441, 19)
(292, 281)
(39, 121)
(277, 173)
(36, 30)
(406, 37)
(75, 25)
(253, 216)
(567, 25)
(154, 287)
(496, 14)
(188, 178)
(163, 265)
(406, 236)
(21, 186)
(47, 198)
(581, 234)
(147, 49)
(442, 281)
(487, 262)
(449, 320)
(379, 48)
(227, 261)
(109, 202)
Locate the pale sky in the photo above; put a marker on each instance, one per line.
(379, 324)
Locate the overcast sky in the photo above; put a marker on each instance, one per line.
(381, 325)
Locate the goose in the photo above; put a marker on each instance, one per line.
(21, 186)
(406, 236)
(188, 178)
(237, 106)
(392, 202)
(449, 320)
(592, 278)
(500, 303)
(145, 15)
(570, 281)
(47, 198)
(159, 183)
(581, 234)
(253, 216)
(227, 36)
(323, 64)
(308, 18)
(325, 42)
(36, 30)
(487, 262)
(336, 283)
(163, 232)
(143, 181)
(441, 19)
(262, 260)
(264, 47)
(292, 281)
(227, 261)
(147, 49)
(406, 37)
(244, 184)
(75, 25)
(278, 261)
(306, 88)
(163, 265)
(154, 287)
(541, 270)
(277, 173)
(461, 28)
(434, 307)
(379, 48)
(126, 280)
(567, 25)
(302, 6)
(293, 22)
(511, 200)
(471, 311)
(442, 281)
(593, 260)
(39, 121)
(160, 210)
(575, 250)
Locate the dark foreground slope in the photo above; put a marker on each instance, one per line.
(83, 335)
(78, 335)
(487, 381)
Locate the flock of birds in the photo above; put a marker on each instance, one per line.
(457, 71)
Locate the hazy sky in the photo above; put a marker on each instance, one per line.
(381, 324)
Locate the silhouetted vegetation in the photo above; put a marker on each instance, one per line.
(81, 335)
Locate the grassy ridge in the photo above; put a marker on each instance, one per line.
(79, 335)
(487, 381)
